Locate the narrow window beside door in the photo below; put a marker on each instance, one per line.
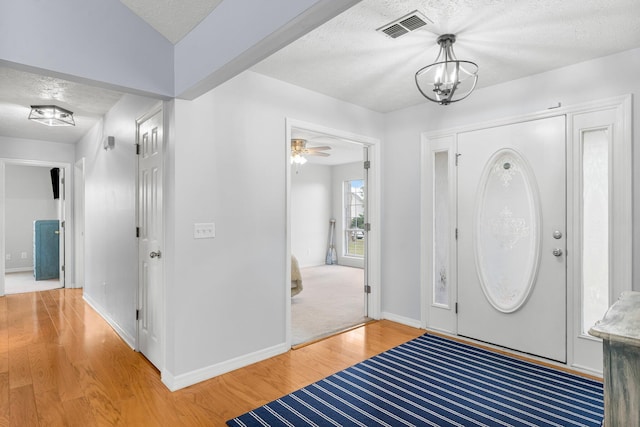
(354, 218)
(595, 226)
(441, 228)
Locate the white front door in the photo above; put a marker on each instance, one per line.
(511, 236)
(150, 159)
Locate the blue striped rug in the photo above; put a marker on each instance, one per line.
(433, 381)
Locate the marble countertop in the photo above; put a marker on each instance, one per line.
(621, 323)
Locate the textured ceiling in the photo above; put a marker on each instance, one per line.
(19, 90)
(346, 58)
(174, 19)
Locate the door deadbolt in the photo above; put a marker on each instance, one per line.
(557, 252)
(155, 254)
(557, 234)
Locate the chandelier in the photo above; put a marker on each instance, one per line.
(448, 79)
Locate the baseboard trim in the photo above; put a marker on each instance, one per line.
(126, 337)
(18, 270)
(401, 319)
(177, 382)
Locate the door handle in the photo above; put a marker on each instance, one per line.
(557, 252)
(56, 232)
(155, 254)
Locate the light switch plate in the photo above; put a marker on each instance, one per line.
(204, 230)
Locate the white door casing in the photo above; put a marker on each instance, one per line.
(79, 217)
(511, 201)
(65, 207)
(614, 114)
(150, 245)
(613, 118)
(62, 229)
(372, 211)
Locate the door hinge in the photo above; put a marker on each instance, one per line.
(456, 308)
(62, 224)
(62, 180)
(367, 226)
(457, 155)
(456, 234)
(367, 289)
(367, 164)
(137, 314)
(137, 149)
(137, 231)
(62, 268)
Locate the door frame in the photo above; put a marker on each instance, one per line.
(163, 108)
(66, 243)
(372, 260)
(79, 223)
(444, 319)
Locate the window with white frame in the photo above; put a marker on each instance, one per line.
(354, 234)
(595, 226)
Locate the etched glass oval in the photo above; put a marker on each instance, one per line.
(507, 230)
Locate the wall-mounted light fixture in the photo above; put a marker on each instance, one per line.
(51, 115)
(109, 142)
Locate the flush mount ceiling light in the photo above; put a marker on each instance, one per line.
(51, 115)
(448, 79)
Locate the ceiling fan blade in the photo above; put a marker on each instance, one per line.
(318, 153)
(323, 148)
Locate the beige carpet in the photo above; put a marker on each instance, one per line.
(17, 283)
(332, 299)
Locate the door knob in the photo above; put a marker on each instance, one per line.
(557, 252)
(155, 254)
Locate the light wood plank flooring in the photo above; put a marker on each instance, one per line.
(62, 365)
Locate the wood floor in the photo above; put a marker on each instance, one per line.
(62, 365)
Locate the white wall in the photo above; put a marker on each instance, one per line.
(218, 48)
(29, 149)
(311, 198)
(226, 296)
(111, 46)
(28, 197)
(104, 42)
(401, 175)
(340, 174)
(111, 247)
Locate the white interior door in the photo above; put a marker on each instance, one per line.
(150, 159)
(367, 285)
(63, 223)
(511, 236)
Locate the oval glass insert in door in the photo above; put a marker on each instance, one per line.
(507, 231)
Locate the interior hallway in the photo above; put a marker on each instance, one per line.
(62, 364)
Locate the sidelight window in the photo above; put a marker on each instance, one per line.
(354, 232)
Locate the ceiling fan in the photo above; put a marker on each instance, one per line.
(299, 150)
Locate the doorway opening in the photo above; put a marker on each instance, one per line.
(34, 207)
(329, 215)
